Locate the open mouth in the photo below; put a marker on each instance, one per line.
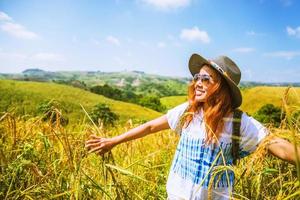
(199, 92)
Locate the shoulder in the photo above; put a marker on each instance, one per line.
(174, 114)
(252, 133)
(251, 127)
(180, 108)
(249, 120)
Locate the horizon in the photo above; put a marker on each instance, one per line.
(156, 37)
(137, 71)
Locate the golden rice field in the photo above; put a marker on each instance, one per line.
(44, 161)
(40, 160)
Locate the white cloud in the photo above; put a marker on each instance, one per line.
(284, 54)
(167, 4)
(48, 57)
(18, 31)
(4, 17)
(293, 32)
(253, 33)
(113, 40)
(195, 34)
(161, 45)
(244, 50)
(15, 29)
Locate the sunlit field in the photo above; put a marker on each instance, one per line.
(44, 160)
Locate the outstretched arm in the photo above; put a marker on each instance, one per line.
(284, 150)
(102, 145)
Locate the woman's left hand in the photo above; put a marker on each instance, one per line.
(284, 150)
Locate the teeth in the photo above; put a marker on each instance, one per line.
(199, 92)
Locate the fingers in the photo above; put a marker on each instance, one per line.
(96, 149)
(93, 136)
(93, 141)
(96, 144)
(89, 146)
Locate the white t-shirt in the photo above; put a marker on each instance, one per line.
(194, 161)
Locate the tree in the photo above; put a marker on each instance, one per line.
(152, 102)
(101, 113)
(295, 118)
(270, 114)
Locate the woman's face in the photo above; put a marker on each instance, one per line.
(205, 80)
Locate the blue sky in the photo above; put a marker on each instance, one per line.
(155, 36)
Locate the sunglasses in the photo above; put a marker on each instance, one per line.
(204, 78)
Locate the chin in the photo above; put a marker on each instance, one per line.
(199, 99)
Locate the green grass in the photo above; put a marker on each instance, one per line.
(24, 98)
(171, 102)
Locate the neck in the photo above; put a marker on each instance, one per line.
(205, 107)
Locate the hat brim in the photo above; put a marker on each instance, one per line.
(196, 62)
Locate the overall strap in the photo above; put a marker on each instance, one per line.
(236, 124)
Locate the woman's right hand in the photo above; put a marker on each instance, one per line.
(99, 145)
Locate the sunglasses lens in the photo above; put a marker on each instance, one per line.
(196, 77)
(205, 79)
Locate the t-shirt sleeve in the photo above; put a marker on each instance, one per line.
(174, 114)
(252, 133)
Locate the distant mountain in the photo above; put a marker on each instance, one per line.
(137, 81)
(33, 71)
(279, 84)
(122, 79)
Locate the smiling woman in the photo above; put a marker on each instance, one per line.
(213, 132)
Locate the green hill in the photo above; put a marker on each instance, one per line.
(253, 98)
(172, 101)
(256, 97)
(135, 81)
(23, 97)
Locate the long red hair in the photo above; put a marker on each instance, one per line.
(218, 105)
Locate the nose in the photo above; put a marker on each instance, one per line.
(199, 84)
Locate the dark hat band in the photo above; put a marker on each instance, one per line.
(216, 66)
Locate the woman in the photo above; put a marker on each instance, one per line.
(205, 127)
